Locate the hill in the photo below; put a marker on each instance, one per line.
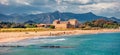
(49, 17)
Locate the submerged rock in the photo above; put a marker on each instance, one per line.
(11, 46)
(56, 46)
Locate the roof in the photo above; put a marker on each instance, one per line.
(56, 22)
(72, 19)
(64, 22)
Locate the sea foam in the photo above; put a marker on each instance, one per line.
(34, 41)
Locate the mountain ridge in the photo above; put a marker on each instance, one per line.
(51, 16)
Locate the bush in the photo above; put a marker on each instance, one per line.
(52, 27)
(30, 25)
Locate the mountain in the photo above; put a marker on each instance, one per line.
(115, 19)
(5, 17)
(50, 17)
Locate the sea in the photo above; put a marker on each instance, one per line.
(89, 44)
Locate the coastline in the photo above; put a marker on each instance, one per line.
(18, 36)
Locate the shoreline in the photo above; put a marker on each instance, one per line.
(19, 36)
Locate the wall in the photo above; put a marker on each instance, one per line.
(63, 26)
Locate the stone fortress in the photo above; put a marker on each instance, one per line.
(71, 23)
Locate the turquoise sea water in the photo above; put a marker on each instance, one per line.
(91, 44)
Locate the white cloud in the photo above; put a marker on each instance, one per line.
(83, 1)
(66, 2)
(61, 8)
(106, 1)
(96, 7)
(101, 7)
(4, 2)
(77, 1)
(58, 1)
(24, 2)
(16, 2)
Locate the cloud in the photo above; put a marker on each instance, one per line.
(72, 2)
(97, 7)
(23, 2)
(4, 2)
(16, 2)
(78, 1)
(100, 7)
(108, 9)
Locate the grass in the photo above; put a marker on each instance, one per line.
(30, 29)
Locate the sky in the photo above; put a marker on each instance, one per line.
(108, 8)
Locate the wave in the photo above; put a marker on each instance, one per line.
(61, 39)
(35, 41)
(52, 40)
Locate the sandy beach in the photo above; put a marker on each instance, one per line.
(17, 36)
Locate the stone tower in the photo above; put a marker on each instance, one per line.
(74, 23)
(56, 22)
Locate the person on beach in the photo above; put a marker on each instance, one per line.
(64, 32)
(50, 34)
(35, 31)
(26, 33)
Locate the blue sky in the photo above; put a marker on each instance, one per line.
(107, 8)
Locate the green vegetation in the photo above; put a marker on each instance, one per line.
(100, 23)
(16, 25)
(31, 29)
(52, 27)
(22, 29)
(31, 26)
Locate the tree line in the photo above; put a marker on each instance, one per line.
(101, 23)
(17, 25)
(27, 24)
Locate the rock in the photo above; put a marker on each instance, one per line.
(56, 46)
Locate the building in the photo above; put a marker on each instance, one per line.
(58, 24)
(72, 23)
(43, 25)
(61, 24)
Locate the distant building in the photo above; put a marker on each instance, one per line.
(43, 25)
(61, 24)
(72, 23)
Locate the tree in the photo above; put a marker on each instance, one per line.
(52, 27)
(30, 25)
(102, 23)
